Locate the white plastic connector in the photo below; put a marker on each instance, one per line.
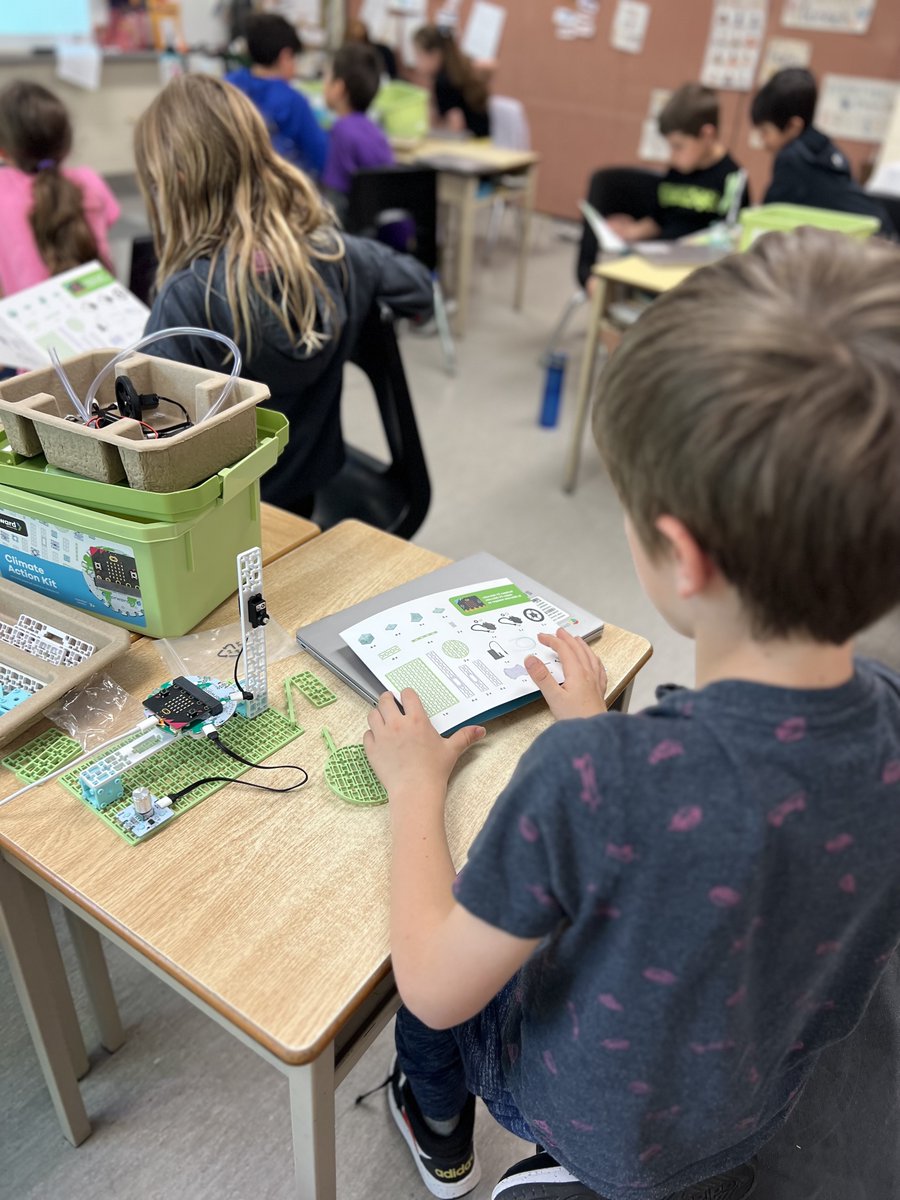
(164, 802)
(238, 696)
(209, 729)
(147, 723)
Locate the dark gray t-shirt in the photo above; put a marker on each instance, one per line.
(717, 883)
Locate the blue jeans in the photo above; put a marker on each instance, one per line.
(444, 1065)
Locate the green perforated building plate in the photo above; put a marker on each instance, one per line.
(42, 755)
(348, 774)
(310, 686)
(189, 759)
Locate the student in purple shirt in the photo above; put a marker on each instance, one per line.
(356, 142)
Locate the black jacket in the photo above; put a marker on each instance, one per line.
(812, 170)
(305, 387)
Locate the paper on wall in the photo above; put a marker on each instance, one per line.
(569, 24)
(447, 16)
(833, 16)
(82, 309)
(629, 27)
(736, 34)
(79, 63)
(484, 29)
(854, 107)
(653, 146)
(781, 52)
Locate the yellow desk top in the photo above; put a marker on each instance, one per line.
(639, 272)
(274, 909)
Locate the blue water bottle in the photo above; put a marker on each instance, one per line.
(553, 389)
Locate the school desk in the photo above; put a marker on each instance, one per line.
(633, 272)
(462, 166)
(256, 914)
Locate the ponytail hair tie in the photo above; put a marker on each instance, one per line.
(46, 164)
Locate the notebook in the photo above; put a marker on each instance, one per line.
(458, 635)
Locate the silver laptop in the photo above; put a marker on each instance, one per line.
(323, 638)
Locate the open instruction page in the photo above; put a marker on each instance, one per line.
(463, 651)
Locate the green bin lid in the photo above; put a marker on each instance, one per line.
(34, 475)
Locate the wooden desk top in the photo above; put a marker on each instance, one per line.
(640, 273)
(283, 531)
(274, 910)
(475, 156)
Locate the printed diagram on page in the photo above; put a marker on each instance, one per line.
(462, 651)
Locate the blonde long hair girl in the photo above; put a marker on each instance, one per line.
(215, 188)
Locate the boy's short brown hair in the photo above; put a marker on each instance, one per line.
(688, 109)
(358, 67)
(759, 402)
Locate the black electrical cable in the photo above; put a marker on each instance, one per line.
(237, 683)
(216, 740)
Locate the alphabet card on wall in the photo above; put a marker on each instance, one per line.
(735, 41)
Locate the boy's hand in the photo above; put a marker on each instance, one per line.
(407, 753)
(583, 694)
(622, 224)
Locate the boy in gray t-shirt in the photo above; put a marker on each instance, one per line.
(668, 917)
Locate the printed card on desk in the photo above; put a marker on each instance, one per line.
(462, 650)
(82, 309)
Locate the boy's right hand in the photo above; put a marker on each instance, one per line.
(583, 692)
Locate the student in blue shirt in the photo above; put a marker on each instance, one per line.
(273, 46)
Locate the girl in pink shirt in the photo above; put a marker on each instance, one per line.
(52, 218)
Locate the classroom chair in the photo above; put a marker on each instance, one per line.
(629, 190)
(398, 205)
(393, 496)
(509, 129)
(891, 205)
(142, 274)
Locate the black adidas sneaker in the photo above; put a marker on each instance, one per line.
(448, 1165)
(542, 1178)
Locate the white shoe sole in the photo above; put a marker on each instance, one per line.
(444, 1191)
(558, 1178)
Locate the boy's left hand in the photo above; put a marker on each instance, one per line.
(405, 750)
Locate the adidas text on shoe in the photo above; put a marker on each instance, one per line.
(447, 1165)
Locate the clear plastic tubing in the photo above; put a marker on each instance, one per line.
(83, 412)
(161, 335)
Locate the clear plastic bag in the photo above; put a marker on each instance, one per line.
(213, 652)
(96, 712)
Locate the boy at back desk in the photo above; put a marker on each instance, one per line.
(698, 187)
(808, 167)
(356, 142)
(669, 915)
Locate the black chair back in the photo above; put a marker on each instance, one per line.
(387, 201)
(393, 496)
(629, 190)
(142, 277)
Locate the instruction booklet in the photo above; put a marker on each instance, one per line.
(463, 649)
(82, 309)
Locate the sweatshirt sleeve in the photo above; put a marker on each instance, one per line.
(788, 184)
(300, 125)
(397, 280)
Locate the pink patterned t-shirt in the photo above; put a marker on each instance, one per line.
(21, 265)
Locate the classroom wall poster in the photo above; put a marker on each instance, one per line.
(570, 24)
(832, 16)
(629, 27)
(736, 34)
(484, 28)
(781, 52)
(653, 146)
(857, 108)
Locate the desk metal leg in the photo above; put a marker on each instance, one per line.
(585, 379)
(91, 960)
(525, 238)
(312, 1123)
(27, 934)
(465, 249)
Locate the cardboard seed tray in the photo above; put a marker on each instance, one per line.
(67, 632)
(37, 415)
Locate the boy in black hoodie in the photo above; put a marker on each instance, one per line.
(808, 168)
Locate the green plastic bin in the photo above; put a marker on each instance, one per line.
(35, 475)
(158, 577)
(401, 110)
(765, 218)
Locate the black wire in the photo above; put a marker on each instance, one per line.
(217, 741)
(167, 400)
(237, 683)
(262, 787)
